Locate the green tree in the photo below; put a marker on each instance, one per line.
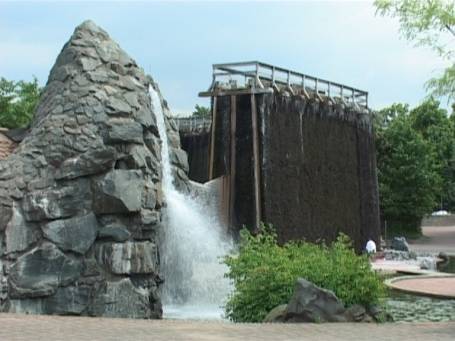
(201, 111)
(18, 101)
(409, 182)
(429, 23)
(433, 123)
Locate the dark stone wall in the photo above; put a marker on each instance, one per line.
(318, 171)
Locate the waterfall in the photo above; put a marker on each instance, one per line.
(192, 244)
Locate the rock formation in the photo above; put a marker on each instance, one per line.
(310, 303)
(80, 197)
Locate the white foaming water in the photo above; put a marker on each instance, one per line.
(192, 244)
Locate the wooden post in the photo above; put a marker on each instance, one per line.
(233, 160)
(256, 165)
(212, 139)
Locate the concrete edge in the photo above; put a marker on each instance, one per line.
(390, 284)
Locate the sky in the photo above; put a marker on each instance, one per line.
(178, 41)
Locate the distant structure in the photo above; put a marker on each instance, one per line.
(195, 140)
(7, 145)
(289, 149)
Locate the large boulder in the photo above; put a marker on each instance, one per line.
(124, 299)
(80, 195)
(399, 244)
(310, 303)
(119, 191)
(41, 271)
(76, 234)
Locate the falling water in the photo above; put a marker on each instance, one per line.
(193, 241)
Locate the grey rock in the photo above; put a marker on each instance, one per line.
(119, 191)
(179, 159)
(400, 244)
(73, 300)
(398, 255)
(124, 131)
(310, 303)
(356, 313)
(41, 271)
(117, 107)
(123, 299)
(116, 233)
(53, 203)
(5, 216)
(149, 197)
(128, 257)
(149, 217)
(75, 234)
(277, 314)
(90, 162)
(20, 234)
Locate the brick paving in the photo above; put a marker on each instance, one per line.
(15, 327)
(433, 286)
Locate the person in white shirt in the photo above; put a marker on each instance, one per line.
(371, 246)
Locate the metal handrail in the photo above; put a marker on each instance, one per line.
(193, 123)
(257, 71)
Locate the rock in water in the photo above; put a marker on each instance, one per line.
(80, 196)
(400, 244)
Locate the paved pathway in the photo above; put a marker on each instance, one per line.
(49, 328)
(435, 240)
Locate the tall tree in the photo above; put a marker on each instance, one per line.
(433, 123)
(428, 23)
(17, 102)
(201, 112)
(409, 182)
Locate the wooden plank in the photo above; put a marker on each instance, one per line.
(256, 165)
(233, 159)
(212, 139)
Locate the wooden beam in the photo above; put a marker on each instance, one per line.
(212, 139)
(256, 164)
(240, 91)
(233, 160)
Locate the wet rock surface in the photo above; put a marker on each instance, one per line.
(80, 197)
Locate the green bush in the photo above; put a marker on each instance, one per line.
(264, 274)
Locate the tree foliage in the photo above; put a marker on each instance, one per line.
(264, 274)
(201, 111)
(416, 162)
(433, 123)
(429, 23)
(17, 102)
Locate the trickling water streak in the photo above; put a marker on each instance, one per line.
(192, 243)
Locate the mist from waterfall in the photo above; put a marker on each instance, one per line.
(192, 244)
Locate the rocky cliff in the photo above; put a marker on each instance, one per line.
(80, 197)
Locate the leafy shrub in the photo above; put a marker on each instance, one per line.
(264, 274)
